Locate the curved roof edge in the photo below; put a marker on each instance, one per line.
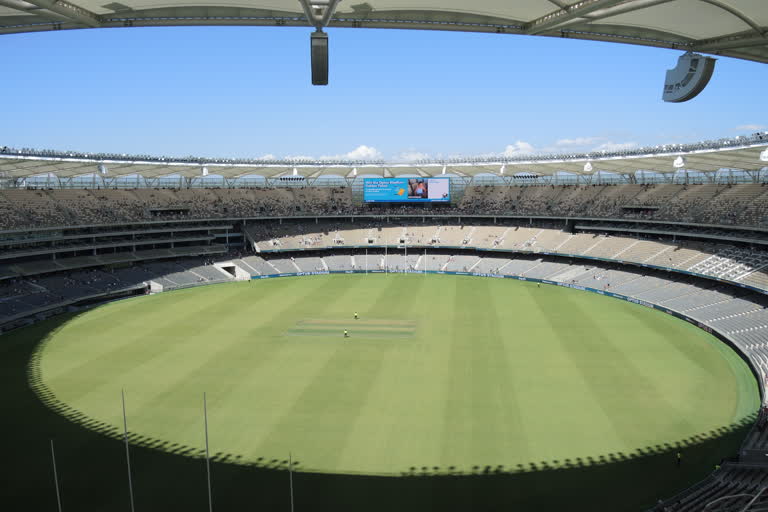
(722, 27)
(743, 152)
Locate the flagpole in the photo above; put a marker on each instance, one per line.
(290, 477)
(425, 261)
(55, 476)
(386, 267)
(127, 453)
(366, 260)
(207, 453)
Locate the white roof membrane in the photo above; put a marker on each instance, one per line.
(734, 28)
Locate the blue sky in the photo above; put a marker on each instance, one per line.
(394, 94)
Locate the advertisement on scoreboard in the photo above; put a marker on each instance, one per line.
(407, 190)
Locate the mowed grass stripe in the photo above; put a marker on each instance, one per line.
(106, 334)
(497, 372)
(399, 296)
(482, 413)
(324, 412)
(164, 349)
(685, 351)
(570, 413)
(697, 365)
(135, 353)
(514, 428)
(619, 384)
(208, 364)
(143, 346)
(328, 409)
(222, 363)
(405, 403)
(272, 392)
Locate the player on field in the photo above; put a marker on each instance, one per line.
(355, 315)
(346, 333)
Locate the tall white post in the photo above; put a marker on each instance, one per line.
(290, 477)
(207, 454)
(55, 476)
(127, 453)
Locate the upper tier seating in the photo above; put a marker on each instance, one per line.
(743, 204)
(39, 208)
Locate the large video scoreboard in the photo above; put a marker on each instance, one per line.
(406, 190)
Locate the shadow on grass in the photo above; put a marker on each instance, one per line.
(168, 476)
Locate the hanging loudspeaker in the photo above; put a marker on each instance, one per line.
(319, 50)
(688, 78)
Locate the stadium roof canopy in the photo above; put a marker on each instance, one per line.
(745, 153)
(733, 28)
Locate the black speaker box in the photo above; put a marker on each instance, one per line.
(319, 49)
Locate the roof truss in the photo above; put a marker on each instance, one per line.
(739, 29)
(70, 11)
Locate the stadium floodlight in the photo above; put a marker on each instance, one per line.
(764, 156)
(588, 167)
(679, 162)
(688, 78)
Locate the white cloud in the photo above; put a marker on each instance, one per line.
(268, 156)
(361, 152)
(751, 127)
(299, 157)
(578, 141)
(588, 145)
(518, 148)
(615, 146)
(364, 152)
(570, 146)
(412, 156)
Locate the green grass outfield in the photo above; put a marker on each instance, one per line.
(447, 372)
